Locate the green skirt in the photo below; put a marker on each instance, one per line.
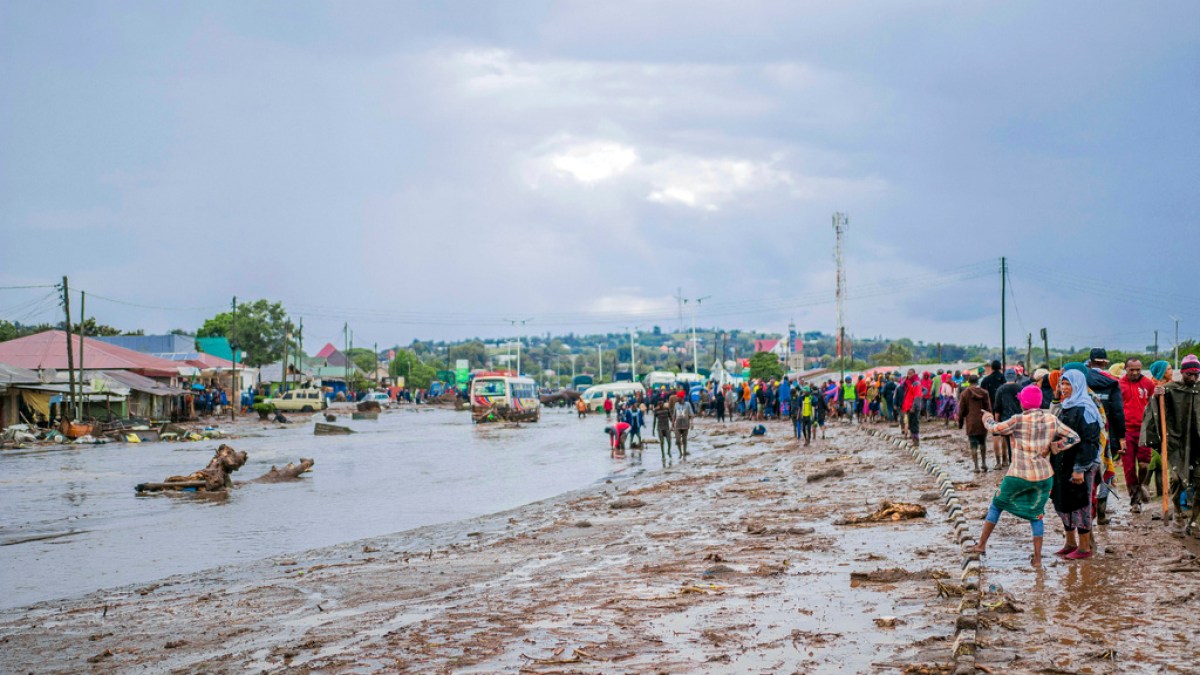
(1022, 498)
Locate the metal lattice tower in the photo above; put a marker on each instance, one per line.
(840, 221)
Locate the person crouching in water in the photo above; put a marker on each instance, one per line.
(1035, 434)
(616, 437)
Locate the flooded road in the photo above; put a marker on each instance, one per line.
(412, 467)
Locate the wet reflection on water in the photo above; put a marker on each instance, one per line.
(70, 523)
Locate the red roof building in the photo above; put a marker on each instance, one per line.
(49, 350)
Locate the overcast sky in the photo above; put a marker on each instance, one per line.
(428, 172)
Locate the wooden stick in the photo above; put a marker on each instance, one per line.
(1163, 465)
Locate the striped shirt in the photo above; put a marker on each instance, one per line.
(1034, 434)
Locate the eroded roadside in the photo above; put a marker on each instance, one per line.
(732, 560)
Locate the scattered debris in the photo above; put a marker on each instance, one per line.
(627, 503)
(213, 478)
(322, 429)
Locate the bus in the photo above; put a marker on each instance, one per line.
(505, 397)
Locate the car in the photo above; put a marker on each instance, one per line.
(378, 396)
(594, 396)
(299, 400)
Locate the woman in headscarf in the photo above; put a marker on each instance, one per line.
(1075, 468)
(1035, 434)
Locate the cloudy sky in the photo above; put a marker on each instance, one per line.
(427, 171)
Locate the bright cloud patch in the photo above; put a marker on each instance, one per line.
(594, 162)
(709, 183)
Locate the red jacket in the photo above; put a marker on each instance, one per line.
(1135, 396)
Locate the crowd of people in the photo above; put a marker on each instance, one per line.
(1062, 435)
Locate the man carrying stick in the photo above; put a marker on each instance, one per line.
(1173, 420)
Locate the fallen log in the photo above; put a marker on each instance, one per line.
(289, 472)
(323, 429)
(212, 478)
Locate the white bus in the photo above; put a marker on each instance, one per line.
(504, 397)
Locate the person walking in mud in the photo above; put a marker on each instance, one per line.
(661, 426)
(718, 402)
(581, 408)
(608, 407)
(681, 416)
(911, 407)
(1136, 390)
(1181, 404)
(973, 402)
(1035, 434)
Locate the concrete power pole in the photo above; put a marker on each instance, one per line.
(840, 222)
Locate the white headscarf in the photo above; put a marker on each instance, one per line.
(1080, 397)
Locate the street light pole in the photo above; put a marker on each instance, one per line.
(514, 322)
(632, 352)
(695, 348)
(1176, 319)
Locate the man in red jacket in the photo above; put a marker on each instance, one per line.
(1136, 391)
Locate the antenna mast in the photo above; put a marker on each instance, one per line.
(840, 221)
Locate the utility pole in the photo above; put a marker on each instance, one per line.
(679, 301)
(1028, 351)
(840, 222)
(346, 356)
(300, 353)
(375, 373)
(82, 332)
(70, 348)
(286, 337)
(600, 362)
(1156, 345)
(233, 353)
(1046, 347)
(1003, 311)
(1176, 341)
(632, 351)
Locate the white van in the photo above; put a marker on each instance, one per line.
(659, 379)
(594, 396)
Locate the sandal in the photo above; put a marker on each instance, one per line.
(1066, 550)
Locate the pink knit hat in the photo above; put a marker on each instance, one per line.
(1190, 362)
(1030, 397)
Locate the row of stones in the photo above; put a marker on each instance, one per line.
(967, 620)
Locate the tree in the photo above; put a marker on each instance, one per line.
(261, 326)
(896, 354)
(475, 352)
(363, 358)
(766, 366)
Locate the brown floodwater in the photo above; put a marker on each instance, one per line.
(70, 521)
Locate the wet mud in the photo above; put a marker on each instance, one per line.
(1132, 608)
(729, 560)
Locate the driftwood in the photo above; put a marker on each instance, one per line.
(289, 472)
(888, 512)
(368, 415)
(369, 406)
(323, 429)
(213, 478)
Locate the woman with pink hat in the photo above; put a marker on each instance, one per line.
(1035, 434)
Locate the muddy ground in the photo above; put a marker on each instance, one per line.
(731, 561)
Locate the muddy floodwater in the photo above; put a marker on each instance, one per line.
(411, 468)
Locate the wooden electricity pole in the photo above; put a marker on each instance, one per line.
(70, 348)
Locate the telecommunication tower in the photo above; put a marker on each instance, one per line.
(840, 221)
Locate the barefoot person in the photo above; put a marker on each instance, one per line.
(1034, 434)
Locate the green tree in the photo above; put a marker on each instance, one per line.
(896, 354)
(474, 351)
(363, 358)
(765, 365)
(261, 326)
(417, 374)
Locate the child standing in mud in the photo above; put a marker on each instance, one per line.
(682, 423)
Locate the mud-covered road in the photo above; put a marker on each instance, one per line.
(732, 561)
